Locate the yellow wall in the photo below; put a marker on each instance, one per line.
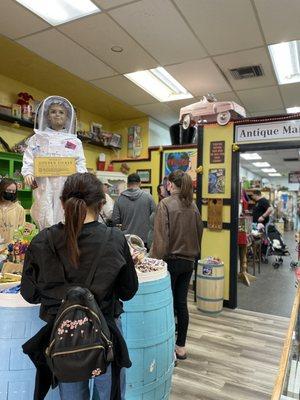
(153, 164)
(9, 88)
(122, 127)
(222, 238)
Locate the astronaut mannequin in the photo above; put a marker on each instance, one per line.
(55, 136)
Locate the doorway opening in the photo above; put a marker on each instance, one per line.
(268, 217)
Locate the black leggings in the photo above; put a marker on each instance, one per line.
(181, 272)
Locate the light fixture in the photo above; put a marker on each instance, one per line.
(285, 59)
(275, 174)
(160, 84)
(261, 164)
(251, 156)
(269, 170)
(293, 110)
(57, 12)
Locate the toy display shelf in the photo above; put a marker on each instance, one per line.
(9, 164)
(87, 140)
(21, 122)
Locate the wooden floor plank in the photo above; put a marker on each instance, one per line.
(231, 357)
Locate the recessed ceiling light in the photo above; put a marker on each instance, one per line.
(251, 156)
(269, 170)
(57, 12)
(293, 110)
(261, 164)
(160, 84)
(117, 49)
(285, 58)
(275, 174)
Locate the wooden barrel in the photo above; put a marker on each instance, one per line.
(210, 287)
(19, 322)
(149, 330)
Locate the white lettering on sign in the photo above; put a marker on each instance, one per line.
(268, 131)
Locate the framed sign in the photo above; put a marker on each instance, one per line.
(294, 177)
(217, 152)
(145, 175)
(54, 166)
(268, 131)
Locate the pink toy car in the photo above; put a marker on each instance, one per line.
(210, 110)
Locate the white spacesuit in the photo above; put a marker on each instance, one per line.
(55, 136)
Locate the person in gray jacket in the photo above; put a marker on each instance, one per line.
(133, 208)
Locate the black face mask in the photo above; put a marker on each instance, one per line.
(10, 196)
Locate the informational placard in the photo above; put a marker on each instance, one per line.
(54, 166)
(268, 131)
(294, 177)
(217, 152)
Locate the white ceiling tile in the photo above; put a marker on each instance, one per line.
(269, 112)
(199, 77)
(125, 90)
(291, 94)
(222, 26)
(60, 50)
(243, 59)
(228, 96)
(261, 99)
(107, 4)
(98, 33)
(16, 21)
(177, 104)
(279, 19)
(160, 29)
(161, 112)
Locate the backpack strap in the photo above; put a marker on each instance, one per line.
(92, 272)
(90, 277)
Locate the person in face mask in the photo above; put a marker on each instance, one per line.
(12, 214)
(55, 136)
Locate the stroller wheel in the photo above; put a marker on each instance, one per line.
(293, 264)
(265, 260)
(276, 265)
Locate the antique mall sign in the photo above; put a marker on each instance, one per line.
(268, 131)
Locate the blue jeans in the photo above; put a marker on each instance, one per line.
(102, 384)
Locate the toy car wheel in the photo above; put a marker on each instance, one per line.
(186, 122)
(223, 118)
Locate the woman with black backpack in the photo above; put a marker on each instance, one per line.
(79, 271)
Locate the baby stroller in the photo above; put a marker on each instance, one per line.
(275, 245)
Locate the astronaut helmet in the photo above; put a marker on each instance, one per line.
(45, 118)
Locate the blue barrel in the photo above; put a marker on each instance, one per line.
(149, 330)
(17, 372)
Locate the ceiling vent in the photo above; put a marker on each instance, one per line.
(252, 71)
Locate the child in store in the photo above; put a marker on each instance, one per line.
(55, 136)
(12, 214)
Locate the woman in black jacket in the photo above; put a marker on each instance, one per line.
(60, 257)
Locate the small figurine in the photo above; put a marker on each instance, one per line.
(10, 249)
(16, 252)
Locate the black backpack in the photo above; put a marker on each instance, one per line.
(80, 345)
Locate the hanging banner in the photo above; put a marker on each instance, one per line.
(268, 131)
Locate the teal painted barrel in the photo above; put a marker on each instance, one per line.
(19, 322)
(149, 330)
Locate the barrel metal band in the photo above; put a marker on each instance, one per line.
(209, 312)
(216, 278)
(209, 299)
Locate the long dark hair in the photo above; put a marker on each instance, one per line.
(184, 182)
(80, 193)
(4, 183)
